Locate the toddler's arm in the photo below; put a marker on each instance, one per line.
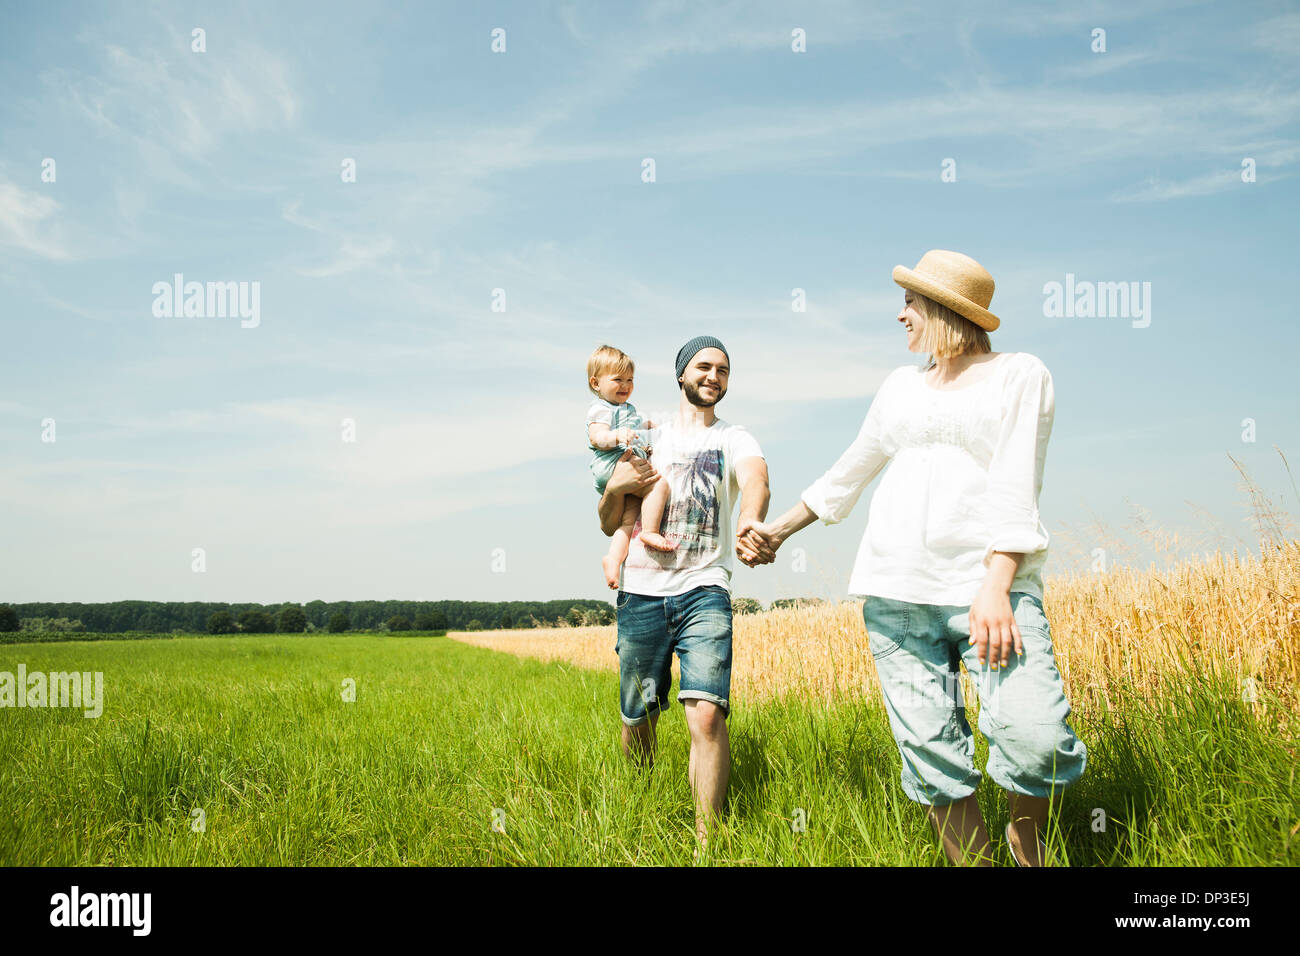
(606, 438)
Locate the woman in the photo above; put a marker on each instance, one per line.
(951, 561)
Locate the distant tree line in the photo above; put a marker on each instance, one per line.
(334, 616)
(746, 605)
(42, 625)
(797, 602)
(161, 617)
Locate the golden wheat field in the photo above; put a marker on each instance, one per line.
(1239, 617)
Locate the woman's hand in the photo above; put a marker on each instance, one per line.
(993, 628)
(757, 541)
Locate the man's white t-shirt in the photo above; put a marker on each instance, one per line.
(700, 465)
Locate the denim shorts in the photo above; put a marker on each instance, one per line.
(697, 625)
(1023, 710)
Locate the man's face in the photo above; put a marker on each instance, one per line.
(705, 378)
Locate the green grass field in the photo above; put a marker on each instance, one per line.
(442, 737)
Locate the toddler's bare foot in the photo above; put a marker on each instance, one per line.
(610, 567)
(656, 542)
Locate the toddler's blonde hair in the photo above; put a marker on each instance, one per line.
(606, 360)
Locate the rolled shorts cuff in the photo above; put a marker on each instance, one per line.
(684, 695)
(638, 721)
(1043, 792)
(935, 799)
(1070, 772)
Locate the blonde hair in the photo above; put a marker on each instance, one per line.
(948, 334)
(606, 360)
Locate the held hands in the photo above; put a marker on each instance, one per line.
(756, 542)
(993, 627)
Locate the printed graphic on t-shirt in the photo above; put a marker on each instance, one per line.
(699, 467)
(692, 519)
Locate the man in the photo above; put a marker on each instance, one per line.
(680, 600)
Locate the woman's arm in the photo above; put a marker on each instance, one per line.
(1016, 470)
(1015, 527)
(830, 498)
(757, 542)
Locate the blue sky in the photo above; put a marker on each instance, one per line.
(521, 171)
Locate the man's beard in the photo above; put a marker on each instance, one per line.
(693, 396)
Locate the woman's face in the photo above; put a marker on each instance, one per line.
(912, 319)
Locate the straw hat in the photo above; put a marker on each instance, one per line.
(957, 281)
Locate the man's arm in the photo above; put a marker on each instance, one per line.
(754, 491)
(632, 475)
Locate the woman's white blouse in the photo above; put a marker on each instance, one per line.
(966, 475)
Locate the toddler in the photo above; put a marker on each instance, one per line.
(613, 425)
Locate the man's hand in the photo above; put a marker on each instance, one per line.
(756, 542)
(632, 475)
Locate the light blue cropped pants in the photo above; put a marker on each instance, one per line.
(1023, 710)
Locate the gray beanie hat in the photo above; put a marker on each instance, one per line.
(694, 347)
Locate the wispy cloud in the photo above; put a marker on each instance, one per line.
(183, 101)
(1280, 36)
(354, 255)
(1105, 63)
(1156, 190)
(29, 223)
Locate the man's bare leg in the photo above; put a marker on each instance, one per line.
(639, 742)
(960, 827)
(652, 516)
(1028, 823)
(620, 541)
(710, 762)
